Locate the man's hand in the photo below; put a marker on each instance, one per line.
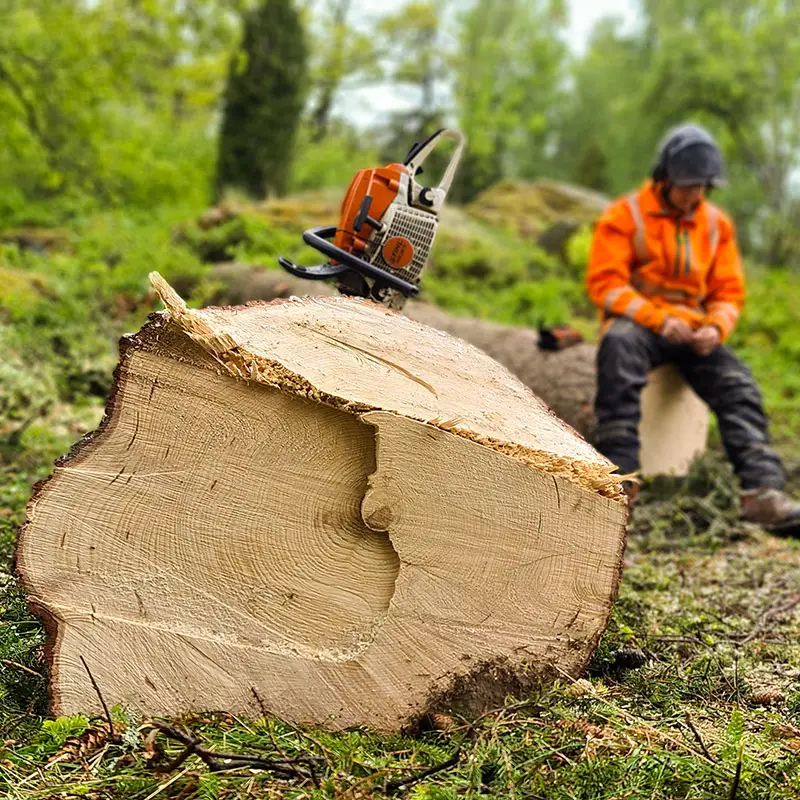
(705, 340)
(676, 331)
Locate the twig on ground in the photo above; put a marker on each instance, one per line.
(775, 609)
(510, 707)
(311, 762)
(738, 775)
(260, 702)
(367, 780)
(16, 665)
(668, 639)
(218, 762)
(404, 784)
(11, 724)
(316, 742)
(166, 785)
(698, 737)
(111, 735)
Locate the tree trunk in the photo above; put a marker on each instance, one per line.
(324, 509)
(332, 72)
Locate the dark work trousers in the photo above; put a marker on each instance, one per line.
(628, 352)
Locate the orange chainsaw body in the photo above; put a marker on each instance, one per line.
(387, 224)
(382, 185)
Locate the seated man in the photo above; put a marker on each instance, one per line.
(665, 271)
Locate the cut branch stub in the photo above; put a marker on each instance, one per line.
(325, 508)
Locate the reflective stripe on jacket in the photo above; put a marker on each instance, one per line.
(647, 263)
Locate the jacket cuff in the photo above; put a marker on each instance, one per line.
(723, 316)
(651, 316)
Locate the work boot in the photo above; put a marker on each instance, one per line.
(772, 509)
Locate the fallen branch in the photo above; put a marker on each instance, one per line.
(219, 762)
(303, 767)
(404, 784)
(275, 744)
(699, 738)
(774, 610)
(16, 665)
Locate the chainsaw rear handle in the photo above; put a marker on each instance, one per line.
(419, 152)
(318, 239)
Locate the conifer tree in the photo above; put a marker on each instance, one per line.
(263, 101)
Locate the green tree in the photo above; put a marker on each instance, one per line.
(415, 64)
(412, 41)
(107, 101)
(263, 101)
(508, 82)
(735, 64)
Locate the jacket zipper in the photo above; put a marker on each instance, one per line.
(678, 253)
(687, 242)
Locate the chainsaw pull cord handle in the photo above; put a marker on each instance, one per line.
(420, 152)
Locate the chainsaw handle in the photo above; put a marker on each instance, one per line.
(318, 239)
(420, 152)
(319, 273)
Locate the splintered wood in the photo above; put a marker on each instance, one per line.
(321, 509)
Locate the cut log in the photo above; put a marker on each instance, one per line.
(674, 425)
(323, 509)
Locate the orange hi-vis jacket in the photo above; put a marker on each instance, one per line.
(648, 263)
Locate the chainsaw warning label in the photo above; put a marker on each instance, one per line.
(398, 252)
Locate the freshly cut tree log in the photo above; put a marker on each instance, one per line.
(674, 426)
(324, 509)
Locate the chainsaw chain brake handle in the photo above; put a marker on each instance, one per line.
(318, 238)
(363, 216)
(428, 196)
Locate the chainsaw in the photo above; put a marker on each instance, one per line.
(386, 228)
